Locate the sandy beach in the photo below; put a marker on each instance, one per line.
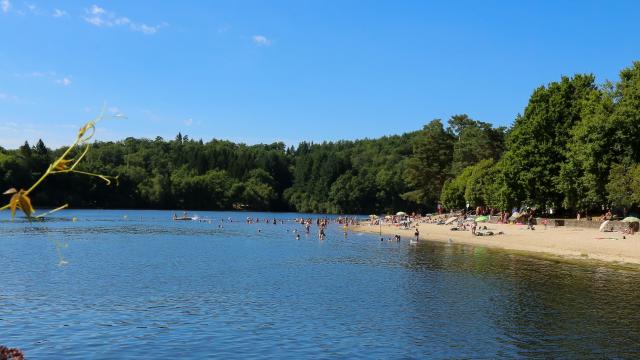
(562, 242)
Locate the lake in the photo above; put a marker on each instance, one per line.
(135, 284)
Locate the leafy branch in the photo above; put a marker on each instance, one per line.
(62, 165)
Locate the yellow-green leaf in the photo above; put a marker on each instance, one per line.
(20, 200)
(62, 165)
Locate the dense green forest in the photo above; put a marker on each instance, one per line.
(576, 146)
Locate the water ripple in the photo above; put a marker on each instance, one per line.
(142, 286)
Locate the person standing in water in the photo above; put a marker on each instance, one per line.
(417, 234)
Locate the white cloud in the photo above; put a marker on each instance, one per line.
(96, 10)
(122, 21)
(8, 97)
(52, 76)
(5, 5)
(32, 9)
(64, 81)
(115, 112)
(147, 29)
(57, 13)
(100, 17)
(260, 40)
(33, 74)
(188, 122)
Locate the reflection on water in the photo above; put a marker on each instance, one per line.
(145, 286)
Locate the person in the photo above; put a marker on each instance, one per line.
(473, 228)
(578, 216)
(530, 222)
(297, 236)
(632, 230)
(545, 222)
(417, 234)
(175, 216)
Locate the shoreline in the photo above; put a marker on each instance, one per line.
(566, 244)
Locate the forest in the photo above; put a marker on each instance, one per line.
(575, 146)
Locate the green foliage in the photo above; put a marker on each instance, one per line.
(477, 185)
(481, 176)
(258, 191)
(624, 185)
(475, 141)
(428, 168)
(364, 176)
(346, 176)
(609, 134)
(454, 189)
(536, 145)
(576, 146)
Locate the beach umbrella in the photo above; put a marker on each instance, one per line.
(630, 219)
(604, 225)
(450, 220)
(481, 219)
(401, 213)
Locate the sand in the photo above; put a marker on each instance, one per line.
(563, 242)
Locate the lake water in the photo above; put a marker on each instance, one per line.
(134, 284)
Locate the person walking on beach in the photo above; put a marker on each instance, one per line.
(530, 222)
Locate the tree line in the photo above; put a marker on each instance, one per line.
(576, 146)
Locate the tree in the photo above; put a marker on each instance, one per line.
(258, 191)
(453, 190)
(477, 185)
(536, 145)
(608, 135)
(624, 185)
(428, 167)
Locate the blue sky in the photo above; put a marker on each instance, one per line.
(264, 71)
